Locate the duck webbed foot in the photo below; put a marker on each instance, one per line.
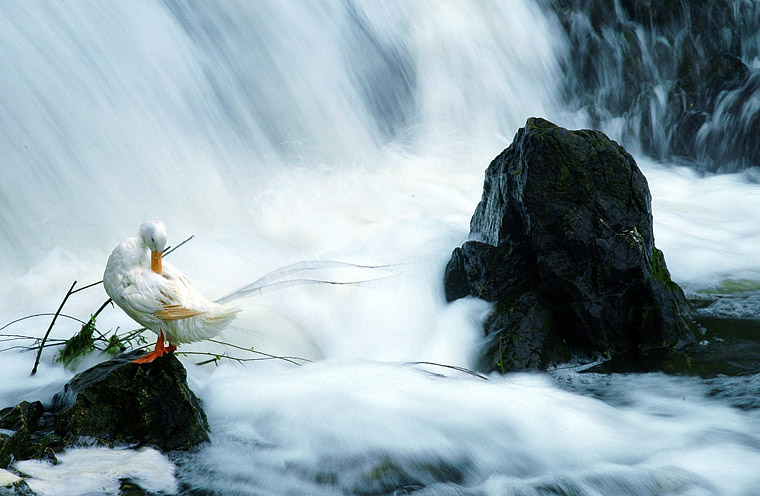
(159, 351)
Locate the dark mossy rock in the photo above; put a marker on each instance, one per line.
(521, 334)
(27, 434)
(486, 271)
(567, 254)
(121, 402)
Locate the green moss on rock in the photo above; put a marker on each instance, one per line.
(115, 402)
(28, 439)
(121, 402)
(568, 254)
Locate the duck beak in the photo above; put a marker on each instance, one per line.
(155, 261)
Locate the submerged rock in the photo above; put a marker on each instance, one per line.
(121, 402)
(567, 254)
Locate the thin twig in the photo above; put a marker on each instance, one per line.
(48, 344)
(142, 346)
(204, 362)
(18, 337)
(274, 286)
(228, 357)
(87, 287)
(21, 347)
(253, 350)
(270, 356)
(47, 314)
(171, 249)
(97, 312)
(129, 335)
(454, 367)
(11, 337)
(268, 281)
(52, 323)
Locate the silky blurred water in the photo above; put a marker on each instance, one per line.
(354, 131)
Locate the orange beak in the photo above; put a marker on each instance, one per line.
(155, 261)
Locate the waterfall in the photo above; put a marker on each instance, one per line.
(358, 131)
(184, 110)
(677, 80)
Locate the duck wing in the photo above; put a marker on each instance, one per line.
(175, 312)
(151, 298)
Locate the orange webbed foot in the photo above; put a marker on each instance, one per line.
(150, 357)
(159, 351)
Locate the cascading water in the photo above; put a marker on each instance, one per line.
(143, 105)
(676, 79)
(354, 131)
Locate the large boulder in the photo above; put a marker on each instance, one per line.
(122, 402)
(566, 251)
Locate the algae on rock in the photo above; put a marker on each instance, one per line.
(115, 402)
(122, 402)
(567, 252)
(25, 435)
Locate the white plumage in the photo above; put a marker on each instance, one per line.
(157, 295)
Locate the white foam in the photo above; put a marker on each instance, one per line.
(99, 471)
(8, 478)
(17, 384)
(349, 418)
(231, 123)
(707, 226)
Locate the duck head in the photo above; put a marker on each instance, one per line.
(153, 233)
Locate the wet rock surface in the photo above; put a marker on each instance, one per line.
(121, 402)
(113, 403)
(567, 254)
(26, 432)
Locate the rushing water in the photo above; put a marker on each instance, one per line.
(677, 79)
(337, 130)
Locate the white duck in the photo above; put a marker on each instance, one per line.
(158, 296)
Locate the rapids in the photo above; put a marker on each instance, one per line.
(278, 131)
